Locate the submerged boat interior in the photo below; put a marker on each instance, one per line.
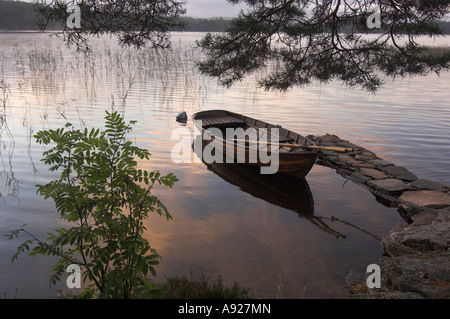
(223, 119)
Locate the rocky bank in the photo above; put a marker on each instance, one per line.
(417, 259)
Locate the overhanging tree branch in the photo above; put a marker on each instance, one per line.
(322, 40)
(134, 22)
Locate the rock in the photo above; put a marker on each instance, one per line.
(182, 117)
(383, 200)
(426, 198)
(389, 186)
(418, 255)
(380, 162)
(365, 158)
(428, 275)
(375, 174)
(329, 139)
(364, 165)
(358, 177)
(330, 153)
(417, 258)
(429, 231)
(407, 211)
(347, 159)
(427, 184)
(312, 138)
(390, 242)
(399, 172)
(345, 171)
(370, 154)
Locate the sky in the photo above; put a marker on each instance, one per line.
(207, 8)
(211, 8)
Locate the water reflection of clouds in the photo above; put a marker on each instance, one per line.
(252, 245)
(219, 229)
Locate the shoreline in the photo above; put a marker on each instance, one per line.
(416, 264)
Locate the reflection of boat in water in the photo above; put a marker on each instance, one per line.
(278, 189)
(284, 191)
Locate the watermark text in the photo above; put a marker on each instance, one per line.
(74, 279)
(74, 19)
(374, 20)
(374, 279)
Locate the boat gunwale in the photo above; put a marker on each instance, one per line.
(246, 119)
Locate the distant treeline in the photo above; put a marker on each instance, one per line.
(211, 25)
(18, 15)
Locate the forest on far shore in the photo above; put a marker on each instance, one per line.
(19, 15)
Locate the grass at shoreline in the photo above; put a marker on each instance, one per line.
(200, 287)
(186, 287)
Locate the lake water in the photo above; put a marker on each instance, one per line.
(287, 249)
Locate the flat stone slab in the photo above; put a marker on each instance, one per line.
(375, 174)
(380, 162)
(357, 176)
(364, 164)
(399, 172)
(428, 185)
(365, 158)
(427, 198)
(389, 186)
(347, 159)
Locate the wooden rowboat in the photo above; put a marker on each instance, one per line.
(294, 153)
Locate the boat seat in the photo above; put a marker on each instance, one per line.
(285, 140)
(222, 121)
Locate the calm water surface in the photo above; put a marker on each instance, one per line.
(279, 249)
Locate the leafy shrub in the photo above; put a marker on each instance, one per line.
(100, 194)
